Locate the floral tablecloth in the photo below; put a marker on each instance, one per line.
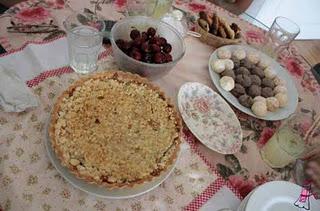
(28, 180)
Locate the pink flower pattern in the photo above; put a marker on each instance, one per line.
(32, 15)
(266, 134)
(294, 67)
(243, 186)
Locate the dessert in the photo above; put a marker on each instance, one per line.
(218, 26)
(227, 83)
(115, 129)
(218, 66)
(259, 108)
(282, 98)
(254, 80)
(224, 54)
(272, 104)
(146, 47)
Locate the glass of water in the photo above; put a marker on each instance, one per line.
(84, 35)
(281, 33)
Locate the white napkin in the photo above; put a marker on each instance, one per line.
(15, 96)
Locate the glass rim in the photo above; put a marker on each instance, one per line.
(292, 24)
(95, 33)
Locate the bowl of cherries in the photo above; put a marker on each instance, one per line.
(146, 46)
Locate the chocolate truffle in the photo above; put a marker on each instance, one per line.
(255, 80)
(228, 73)
(238, 90)
(267, 92)
(244, 80)
(245, 100)
(257, 71)
(244, 71)
(254, 90)
(246, 63)
(266, 82)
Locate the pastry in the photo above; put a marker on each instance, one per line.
(259, 98)
(238, 90)
(227, 83)
(224, 53)
(221, 32)
(278, 81)
(266, 82)
(280, 89)
(269, 73)
(253, 58)
(218, 66)
(228, 73)
(259, 108)
(282, 98)
(245, 100)
(215, 24)
(272, 104)
(115, 129)
(254, 90)
(239, 54)
(263, 64)
(204, 24)
(255, 80)
(228, 64)
(229, 32)
(236, 30)
(267, 92)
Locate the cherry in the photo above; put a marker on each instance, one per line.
(136, 55)
(147, 57)
(168, 57)
(158, 58)
(120, 43)
(134, 34)
(151, 31)
(162, 41)
(155, 48)
(144, 36)
(137, 42)
(167, 48)
(145, 47)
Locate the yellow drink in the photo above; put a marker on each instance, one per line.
(284, 147)
(161, 8)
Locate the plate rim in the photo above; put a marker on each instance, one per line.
(241, 108)
(193, 130)
(60, 170)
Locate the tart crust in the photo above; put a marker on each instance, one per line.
(82, 161)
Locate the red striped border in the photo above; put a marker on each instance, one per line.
(189, 137)
(31, 42)
(59, 71)
(202, 198)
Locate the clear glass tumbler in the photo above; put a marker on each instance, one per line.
(141, 7)
(281, 33)
(84, 35)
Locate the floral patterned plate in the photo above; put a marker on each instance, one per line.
(282, 73)
(210, 118)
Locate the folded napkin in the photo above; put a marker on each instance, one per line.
(15, 96)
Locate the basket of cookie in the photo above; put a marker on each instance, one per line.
(215, 31)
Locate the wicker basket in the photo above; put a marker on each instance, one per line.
(213, 40)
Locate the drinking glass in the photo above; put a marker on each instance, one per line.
(287, 143)
(141, 7)
(84, 35)
(281, 33)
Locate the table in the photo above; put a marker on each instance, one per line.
(240, 172)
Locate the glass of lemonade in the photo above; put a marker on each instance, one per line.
(286, 145)
(84, 35)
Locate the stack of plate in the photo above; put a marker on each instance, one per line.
(277, 196)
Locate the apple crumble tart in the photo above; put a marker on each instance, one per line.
(115, 129)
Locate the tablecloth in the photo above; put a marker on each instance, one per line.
(243, 171)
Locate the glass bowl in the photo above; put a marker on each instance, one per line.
(122, 29)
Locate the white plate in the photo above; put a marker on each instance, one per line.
(244, 202)
(101, 191)
(281, 113)
(277, 196)
(210, 118)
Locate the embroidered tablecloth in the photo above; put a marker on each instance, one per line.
(28, 180)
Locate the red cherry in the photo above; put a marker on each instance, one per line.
(144, 36)
(151, 31)
(155, 48)
(136, 55)
(158, 58)
(162, 41)
(145, 47)
(168, 57)
(134, 34)
(167, 48)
